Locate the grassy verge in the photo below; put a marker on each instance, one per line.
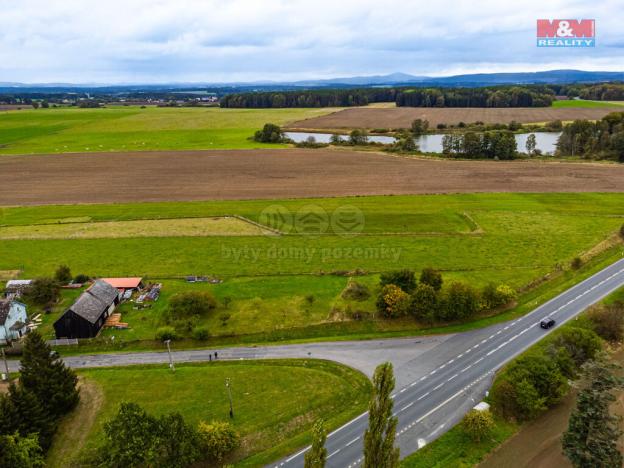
(275, 401)
(455, 449)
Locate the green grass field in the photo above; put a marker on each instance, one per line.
(118, 128)
(275, 402)
(585, 103)
(279, 283)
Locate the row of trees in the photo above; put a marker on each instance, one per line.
(310, 98)
(491, 145)
(539, 379)
(30, 411)
(135, 438)
(602, 92)
(499, 96)
(426, 300)
(496, 96)
(588, 139)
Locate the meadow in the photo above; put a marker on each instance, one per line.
(119, 128)
(294, 281)
(575, 103)
(275, 402)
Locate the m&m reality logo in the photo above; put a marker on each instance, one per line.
(566, 33)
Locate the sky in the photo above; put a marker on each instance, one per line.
(208, 41)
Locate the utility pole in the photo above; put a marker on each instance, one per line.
(171, 366)
(229, 388)
(6, 365)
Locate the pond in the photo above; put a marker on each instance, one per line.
(546, 142)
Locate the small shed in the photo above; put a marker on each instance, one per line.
(15, 288)
(13, 319)
(86, 316)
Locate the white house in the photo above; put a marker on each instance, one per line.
(13, 320)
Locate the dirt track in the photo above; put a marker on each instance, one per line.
(402, 117)
(249, 174)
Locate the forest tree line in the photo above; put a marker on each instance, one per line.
(602, 139)
(499, 96)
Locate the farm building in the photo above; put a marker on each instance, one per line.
(15, 288)
(125, 284)
(13, 320)
(85, 317)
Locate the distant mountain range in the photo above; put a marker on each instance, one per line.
(393, 79)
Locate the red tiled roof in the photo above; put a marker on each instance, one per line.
(123, 283)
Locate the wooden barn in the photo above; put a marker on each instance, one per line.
(87, 315)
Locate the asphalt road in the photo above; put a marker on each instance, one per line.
(439, 378)
(431, 404)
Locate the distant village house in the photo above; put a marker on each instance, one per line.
(15, 288)
(13, 320)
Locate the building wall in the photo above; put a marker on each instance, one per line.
(17, 313)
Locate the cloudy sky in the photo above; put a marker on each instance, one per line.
(156, 41)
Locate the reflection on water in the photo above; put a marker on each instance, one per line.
(432, 143)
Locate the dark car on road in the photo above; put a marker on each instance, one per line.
(547, 323)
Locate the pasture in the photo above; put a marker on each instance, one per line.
(70, 130)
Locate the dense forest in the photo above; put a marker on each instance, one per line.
(311, 98)
(499, 96)
(603, 139)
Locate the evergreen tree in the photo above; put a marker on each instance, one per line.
(47, 377)
(22, 412)
(379, 449)
(316, 457)
(592, 435)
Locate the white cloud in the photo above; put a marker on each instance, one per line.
(228, 40)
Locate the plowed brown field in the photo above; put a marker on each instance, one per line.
(402, 117)
(249, 174)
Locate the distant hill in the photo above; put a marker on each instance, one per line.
(393, 79)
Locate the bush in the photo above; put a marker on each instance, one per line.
(622, 231)
(355, 291)
(192, 303)
(529, 386)
(431, 277)
(217, 439)
(358, 137)
(460, 301)
(135, 438)
(43, 291)
(63, 274)
(478, 424)
(404, 279)
(20, 452)
(393, 301)
(497, 296)
(80, 279)
(201, 334)
(424, 303)
(166, 333)
(576, 263)
(580, 343)
(270, 133)
(608, 321)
